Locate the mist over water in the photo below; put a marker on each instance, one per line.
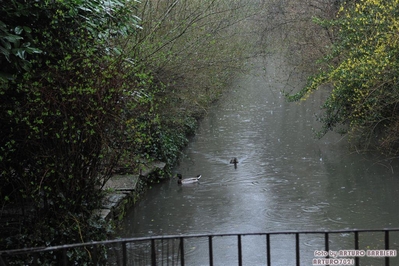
(285, 180)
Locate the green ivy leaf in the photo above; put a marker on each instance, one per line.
(18, 30)
(13, 38)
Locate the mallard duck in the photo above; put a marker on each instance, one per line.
(190, 180)
(234, 160)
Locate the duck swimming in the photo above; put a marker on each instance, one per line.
(234, 160)
(190, 180)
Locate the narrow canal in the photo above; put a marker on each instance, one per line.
(285, 179)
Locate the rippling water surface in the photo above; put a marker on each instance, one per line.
(285, 179)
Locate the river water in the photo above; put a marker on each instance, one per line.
(285, 179)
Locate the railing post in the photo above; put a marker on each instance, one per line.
(386, 247)
(35, 258)
(64, 257)
(153, 253)
(298, 259)
(326, 244)
(2, 262)
(124, 254)
(357, 247)
(182, 251)
(94, 256)
(167, 250)
(239, 251)
(268, 250)
(210, 250)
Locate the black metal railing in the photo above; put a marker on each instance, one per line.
(336, 247)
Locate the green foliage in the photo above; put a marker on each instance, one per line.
(188, 62)
(74, 229)
(184, 43)
(33, 27)
(15, 38)
(61, 113)
(362, 70)
(82, 91)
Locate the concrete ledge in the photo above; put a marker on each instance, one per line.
(124, 190)
(122, 183)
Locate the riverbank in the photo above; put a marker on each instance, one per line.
(87, 107)
(122, 191)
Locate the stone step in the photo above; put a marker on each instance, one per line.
(122, 191)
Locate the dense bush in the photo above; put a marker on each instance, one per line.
(83, 89)
(361, 73)
(63, 80)
(193, 46)
(190, 50)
